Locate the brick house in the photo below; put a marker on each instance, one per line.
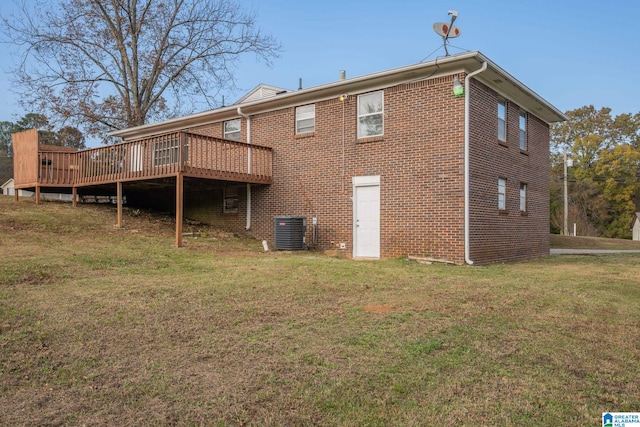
(384, 165)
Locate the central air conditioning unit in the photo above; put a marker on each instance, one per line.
(289, 232)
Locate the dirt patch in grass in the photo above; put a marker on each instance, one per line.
(378, 309)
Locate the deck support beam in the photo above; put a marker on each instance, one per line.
(119, 202)
(179, 208)
(74, 197)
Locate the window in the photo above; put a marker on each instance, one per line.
(502, 193)
(165, 152)
(523, 197)
(230, 203)
(305, 118)
(232, 130)
(523, 131)
(502, 121)
(371, 114)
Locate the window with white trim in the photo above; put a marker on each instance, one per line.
(165, 152)
(523, 131)
(231, 200)
(502, 193)
(371, 114)
(232, 129)
(305, 118)
(523, 197)
(502, 120)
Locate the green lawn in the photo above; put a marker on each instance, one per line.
(106, 326)
(579, 242)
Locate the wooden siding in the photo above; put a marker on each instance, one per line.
(155, 157)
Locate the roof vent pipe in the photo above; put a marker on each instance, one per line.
(300, 83)
(343, 74)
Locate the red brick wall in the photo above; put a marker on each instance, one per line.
(420, 160)
(205, 205)
(506, 235)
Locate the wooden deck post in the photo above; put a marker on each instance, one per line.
(119, 202)
(179, 208)
(74, 196)
(37, 194)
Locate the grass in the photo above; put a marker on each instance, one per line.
(579, 242)
(101, 326)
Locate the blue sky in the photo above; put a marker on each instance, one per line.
(572, 53)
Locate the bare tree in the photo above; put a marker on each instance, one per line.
(109, 64)
(69, 136)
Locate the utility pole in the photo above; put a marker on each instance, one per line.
(569, 163)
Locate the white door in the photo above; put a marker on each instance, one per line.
(366, 217)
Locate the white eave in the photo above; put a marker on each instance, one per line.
(494, 77)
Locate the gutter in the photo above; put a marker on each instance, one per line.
(239, 110)
(560, 116)
(332, 90)
(366, 83)
(467, 80)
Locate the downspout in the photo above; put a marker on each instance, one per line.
(467, 80)
(248, 226)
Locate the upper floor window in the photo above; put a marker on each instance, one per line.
(371, 114)
(232, 129)
(305, 118)
(502, 193)
(523, 131)
(502, 121)
(523, 197)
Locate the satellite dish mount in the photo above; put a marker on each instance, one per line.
(447, 31)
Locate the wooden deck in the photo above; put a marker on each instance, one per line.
(179, 155)
(162, 156)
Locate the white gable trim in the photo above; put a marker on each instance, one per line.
(262, 91)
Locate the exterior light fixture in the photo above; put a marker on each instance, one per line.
(458, 89)
(343, 97)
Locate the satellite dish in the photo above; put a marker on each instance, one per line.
(447, 31)
(444, 30)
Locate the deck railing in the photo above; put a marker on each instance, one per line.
(209, 157)
(57, 167)
(156, 157)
